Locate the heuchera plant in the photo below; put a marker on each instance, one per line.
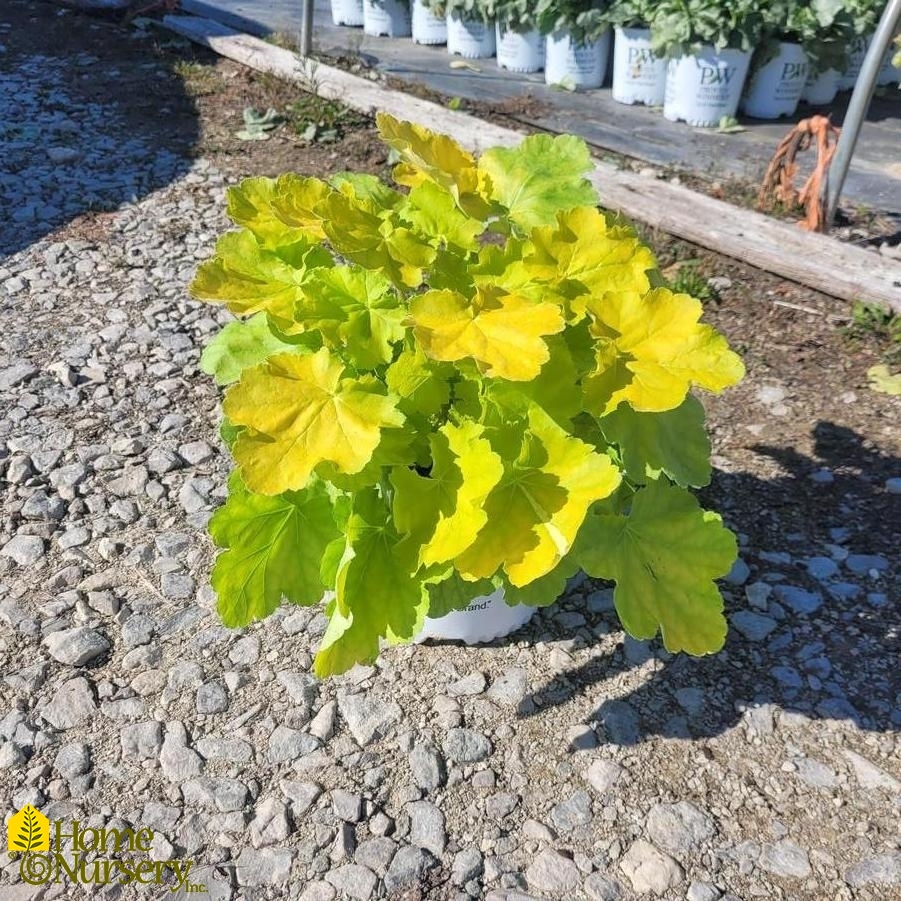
(470, 382)
(681, 27)
(583, 19)
(467, 10)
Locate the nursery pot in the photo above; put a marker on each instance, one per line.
(347, 12)
(857, 52)
(820, 89)
(427, 27)
(639, 76)
(519, 52)
(889, 73)
(703, 87)
(775, 88)
(470, 38)
(576, 65)
(485, 619)
(389, 18)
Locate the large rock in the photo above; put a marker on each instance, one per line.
(75, 647)
(552, 872)
(368, 717)
(648, 869)
(679, 827)
(72, 704)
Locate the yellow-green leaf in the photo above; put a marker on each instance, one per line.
(501, 332)
(664, 555)
(299, 413)
(651, 349)
(538, 506)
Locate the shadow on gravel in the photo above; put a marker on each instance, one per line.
(91, 117)
(827, 648)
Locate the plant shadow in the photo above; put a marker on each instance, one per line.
(830, 650)
(91, 126)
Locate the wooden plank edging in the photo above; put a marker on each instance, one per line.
(817, 261)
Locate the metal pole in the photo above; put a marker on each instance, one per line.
(306, 28)
(860, 103)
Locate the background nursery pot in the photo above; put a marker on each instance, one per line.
(820, 89)
(470, 38)
(519, 51)
(485, 619)
(775, 88)
(388, 18)
(463, 388)
(703, 87)
(347, 12)
(577, 65)
(428, 27)
(639, 74)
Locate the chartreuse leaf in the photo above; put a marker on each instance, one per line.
(444, 510)
(539, 504)
(428, 156)
(279, 211)
(546, 589)
(358, 232)
(664, 555)
(651, 349)
(371, 188)
(674, 442)
(273, 548)
(299, 412)
(421, 384)
(434, 214)
(376, 593)
(248, 278)
(502, 332)
(540, 177)
(356, 311)
(240, 345)
(587, 255)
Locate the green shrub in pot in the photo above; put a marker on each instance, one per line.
(583, 20)
(517, 15)
(470, 381)
(681, 27)
(468, 10)
(629, 13)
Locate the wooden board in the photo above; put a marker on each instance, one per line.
(817, 261)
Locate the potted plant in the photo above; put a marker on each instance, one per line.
(520, 46)
(639, 73)
(578, 42)
(708, 44)
(470, 29)
(347, 12)
(863, 16)
(387, 18)
(779, 67)
(827, 52)
(429, 21)
(469, 386)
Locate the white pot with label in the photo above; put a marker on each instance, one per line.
(889, 73)
(774, 89)
(347, 12)
(703, 87)
(576, 65)
(485, 619)
(820, 89)
(857, 53)
(519, 51)
(387, 18)
(639, 75)
(427, 27)
(470, 38)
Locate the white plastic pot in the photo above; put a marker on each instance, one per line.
(576, 65)
(889, 74)
(485, 619)
(427, 27)
(639, 76)
(857, 52)
(703, 87)
(775, 88)
(820, 89)
(388, 18)
(347, 12)
(519, 52)
(470, 38)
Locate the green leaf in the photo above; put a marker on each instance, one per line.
(356, 311)
(539, 178)
(664, 555)
(240, 345)
(273, 548)
(545, 590)
(377, 595)
(674, 442)
(434, 214)
(421, 384)
(454, 593)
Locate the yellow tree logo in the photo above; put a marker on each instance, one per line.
(28, 830)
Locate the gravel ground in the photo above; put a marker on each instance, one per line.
(565, 763)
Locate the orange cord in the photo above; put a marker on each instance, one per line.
(779, 180)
